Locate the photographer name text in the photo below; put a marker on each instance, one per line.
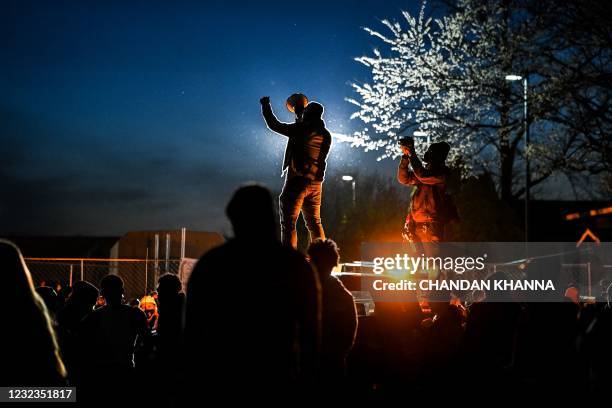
(465, 284)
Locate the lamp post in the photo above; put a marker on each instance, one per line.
(526, 124)
(420, 133)
(352, 180)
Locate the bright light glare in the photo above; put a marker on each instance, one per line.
(419, 133)
(513, 77)
(341, 137)
(347, 178)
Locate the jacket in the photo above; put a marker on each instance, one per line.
(427, 201)
(307, 148)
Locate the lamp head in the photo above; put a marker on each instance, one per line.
(513, 77)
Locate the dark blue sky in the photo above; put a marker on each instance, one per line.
(143, 115)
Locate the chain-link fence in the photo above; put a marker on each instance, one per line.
(592, 281)
(139, 275)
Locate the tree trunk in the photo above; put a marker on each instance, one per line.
(506, 173)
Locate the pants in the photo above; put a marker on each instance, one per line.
(300, 194)
(418, 232)
(426, 236)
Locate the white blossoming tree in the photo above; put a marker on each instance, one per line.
(447, 77)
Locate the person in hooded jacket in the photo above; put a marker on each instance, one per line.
(304, 165)
(252, 312)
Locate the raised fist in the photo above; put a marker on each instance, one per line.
(265, 100)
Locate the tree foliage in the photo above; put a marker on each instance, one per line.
(446, 76)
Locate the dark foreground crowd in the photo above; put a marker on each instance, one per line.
(260, 321)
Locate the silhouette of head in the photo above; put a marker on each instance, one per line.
(111, 288)
(84, 294)
(313, 111)
(251, 212)
(437, 153)
(168, 285)
(324, 254)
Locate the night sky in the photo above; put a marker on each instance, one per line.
(145, 115)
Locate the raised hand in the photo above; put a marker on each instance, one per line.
(405, 150)
(265, 100)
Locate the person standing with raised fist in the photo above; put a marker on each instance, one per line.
(304, 165)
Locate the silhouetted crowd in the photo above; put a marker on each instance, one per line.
(262, 321)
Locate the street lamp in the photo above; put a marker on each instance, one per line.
(352, 180)
(420, 133)
(527, 171)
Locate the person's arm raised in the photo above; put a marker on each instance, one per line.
(271, 121)
(424, 175)
(404, 175)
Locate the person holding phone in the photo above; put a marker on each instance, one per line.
(430, 206)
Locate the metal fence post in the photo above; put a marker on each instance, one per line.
(146, 271)
(589, 277)
(156, 253)
(183, 241)
(167, 252)
(82, 268)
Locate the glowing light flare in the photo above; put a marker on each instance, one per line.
(344, 138)
(591, 213)
(601, 211)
